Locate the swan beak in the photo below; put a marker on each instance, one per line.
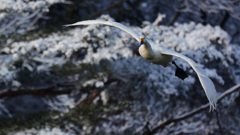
(141, 40)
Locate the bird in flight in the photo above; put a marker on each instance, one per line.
(158, 54)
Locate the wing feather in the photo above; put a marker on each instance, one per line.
(114, 24)
(206, 82)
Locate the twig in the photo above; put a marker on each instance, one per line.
(225, 19)
(174, 18)
(177, 14)
(196, 111)
(147, 130)
(219, 123)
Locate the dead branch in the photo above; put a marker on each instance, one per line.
(174, 18)
(36, 91)
(177, 14)
(196, 111)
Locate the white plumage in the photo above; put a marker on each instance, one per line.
(158, 54)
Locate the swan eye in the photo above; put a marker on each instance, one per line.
(141, 40)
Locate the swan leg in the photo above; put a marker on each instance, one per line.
(180, 73)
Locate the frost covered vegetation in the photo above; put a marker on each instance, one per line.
(20, 16)
(98, 84)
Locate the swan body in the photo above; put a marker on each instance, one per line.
(151, 54)
(158, 54)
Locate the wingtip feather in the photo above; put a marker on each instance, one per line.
(213, 104)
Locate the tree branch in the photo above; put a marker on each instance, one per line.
(196, 111)
(36, 91)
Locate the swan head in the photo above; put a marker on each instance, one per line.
(152, 54)
(145, 49)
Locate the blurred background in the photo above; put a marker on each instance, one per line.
(91, 80)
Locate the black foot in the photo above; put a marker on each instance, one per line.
(180, 73)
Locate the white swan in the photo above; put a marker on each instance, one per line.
(158, 54)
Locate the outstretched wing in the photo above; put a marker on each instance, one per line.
(207, 84)
(114, 24)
